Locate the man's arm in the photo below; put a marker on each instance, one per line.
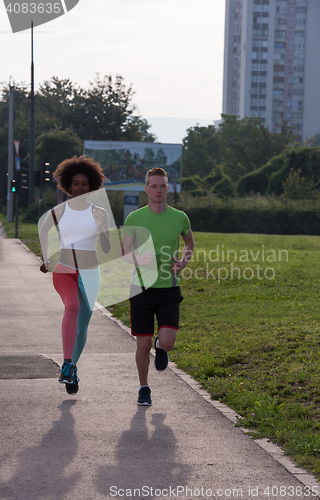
(187, 253)
(126, 252)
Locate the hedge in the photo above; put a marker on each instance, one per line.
(254, 220)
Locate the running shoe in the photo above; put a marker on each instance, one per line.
(74, 387)
(144, 398)
(161, 360)
(66, 375)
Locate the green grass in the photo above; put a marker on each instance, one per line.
(252, 341)
(27, 233)
(255, 343)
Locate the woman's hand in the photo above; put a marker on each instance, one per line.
(44, 268)
(98, 218)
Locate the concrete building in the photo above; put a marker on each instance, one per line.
(272, 62)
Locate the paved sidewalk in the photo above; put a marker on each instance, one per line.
(99, 444)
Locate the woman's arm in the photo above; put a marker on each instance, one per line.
(44, 241)
(102, 220)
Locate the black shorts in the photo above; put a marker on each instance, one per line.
(164, 303)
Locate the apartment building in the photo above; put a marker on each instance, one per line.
(272, 62)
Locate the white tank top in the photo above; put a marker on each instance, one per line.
(78, 229)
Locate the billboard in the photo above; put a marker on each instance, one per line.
(125, 164)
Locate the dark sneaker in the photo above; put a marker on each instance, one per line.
(144, 398)
(74, 387)
(161, 360)
(66, 375)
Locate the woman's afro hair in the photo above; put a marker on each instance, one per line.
(79, 165)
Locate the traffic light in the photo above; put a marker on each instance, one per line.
(24, 181)
(41, 176)
(13, 186)
(46, 173)
(21, 181)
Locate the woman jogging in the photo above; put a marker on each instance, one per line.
(76, 276)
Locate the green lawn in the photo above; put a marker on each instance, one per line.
(249, 332)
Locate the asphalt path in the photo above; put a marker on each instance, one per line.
(98, 443)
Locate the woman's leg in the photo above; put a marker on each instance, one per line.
(89, 285)
(66, 284)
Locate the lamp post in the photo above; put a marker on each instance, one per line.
(32, 127)
(10, 154)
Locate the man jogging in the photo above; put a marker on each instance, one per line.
(163, 298)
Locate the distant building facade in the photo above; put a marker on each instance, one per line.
(272, 62)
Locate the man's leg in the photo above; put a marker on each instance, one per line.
(168, 323)
(144, 344)
(167, 338)
(164, 343)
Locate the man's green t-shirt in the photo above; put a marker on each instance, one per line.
(165, 229)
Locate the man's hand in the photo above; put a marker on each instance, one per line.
(145, 258)
(177, 266)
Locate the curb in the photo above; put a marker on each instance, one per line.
(272, 449)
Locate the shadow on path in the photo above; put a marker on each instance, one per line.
(145, 460)
(42, 471)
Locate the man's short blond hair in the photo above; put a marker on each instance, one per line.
(156, 171)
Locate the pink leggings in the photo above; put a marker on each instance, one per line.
(78, 291)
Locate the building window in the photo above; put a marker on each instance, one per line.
(281, 33)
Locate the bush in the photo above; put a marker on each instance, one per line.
(254, 214)
(269, 179)
(258, 180)
(192, 183)
(224, 188)
(304, 160)
(31, 214)
(213, 178)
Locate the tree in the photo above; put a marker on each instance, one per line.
(237, 148)
(65, 115)
(247, 144)
(21, 131)
(102, 112)
(201, 151)
(57, 145)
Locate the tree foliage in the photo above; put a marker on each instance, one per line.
(65, 115)
(201, 151)
(237, 148)
(295, 166)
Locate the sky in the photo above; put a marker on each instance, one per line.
(171, 51)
